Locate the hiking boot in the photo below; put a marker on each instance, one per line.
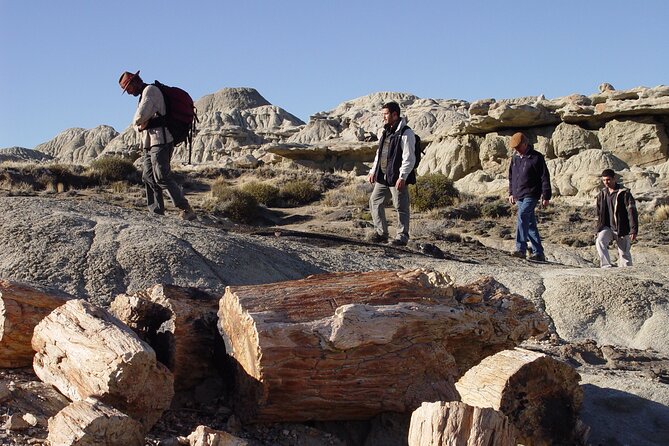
(519, 254)
(377, 238)
(398, 242)
(188, 214)
(538, 257)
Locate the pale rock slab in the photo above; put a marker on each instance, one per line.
(92, 423)
(84, 351)
(450, 423)
(640, 142)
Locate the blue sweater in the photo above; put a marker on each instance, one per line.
(528, 176)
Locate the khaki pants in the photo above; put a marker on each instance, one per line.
(604, 237)
(401, 205)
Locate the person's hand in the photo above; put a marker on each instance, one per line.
(400, 184)
(544, 203)
(370, 178)
(512, 200)
(142, 126)
(633, 237)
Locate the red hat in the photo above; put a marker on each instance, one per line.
(125, 80)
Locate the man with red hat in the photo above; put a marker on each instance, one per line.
(157, 143)
(529, 184)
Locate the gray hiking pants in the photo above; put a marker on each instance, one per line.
(156, 174)
(401, 205)
(604, 237)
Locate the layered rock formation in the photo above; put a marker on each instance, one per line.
(580, 136)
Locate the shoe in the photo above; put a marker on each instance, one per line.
(188, 214)
(398, 242)
(538, 257)
(519, 254)
(377, 238)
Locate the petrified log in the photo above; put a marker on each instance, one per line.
(84, 351)
(352, 345)
(93, 423)
(456, 423)
(206, 436)
(180, 325)
(540, 395)
(22, 306)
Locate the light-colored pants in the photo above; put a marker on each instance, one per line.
(400, 203)
(604, 237)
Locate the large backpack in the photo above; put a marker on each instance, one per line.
(418, 150)
(181, 115)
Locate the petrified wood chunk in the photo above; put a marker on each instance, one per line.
(92, 423)
(206, 436)
(456, 423)
(22, 306)
(84, 351)
(180, 324)
(351, 345)
(540, 395)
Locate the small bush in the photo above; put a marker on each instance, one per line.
(354, 194)
(662, 213)
(264, 193)
(110, 169)
(237, 205)
(433, 191)
(496, 209)
(297, 193)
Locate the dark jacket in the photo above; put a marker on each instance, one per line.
(625, 214)
(401, 154)
(528, 176)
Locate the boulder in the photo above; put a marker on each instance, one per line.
(640, 142)
(206, 436)
(22, 307)
(456, 423)
(92, 423)
(570, 139)
(84, 351)
(453, 156)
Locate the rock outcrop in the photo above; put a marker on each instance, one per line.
(21, 154)
(77, 145)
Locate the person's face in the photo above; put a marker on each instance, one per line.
(521, 148)
(609, 182)
(389, 117)
(134, 87)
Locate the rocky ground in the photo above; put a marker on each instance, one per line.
(617, 347)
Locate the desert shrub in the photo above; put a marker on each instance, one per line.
(353, 194)
(433, 191)
(219, 186)
(237, 205)
(264, 193)
(110, 169)
(468, 210)
(662, 213)
(299, 192)
(496, 209)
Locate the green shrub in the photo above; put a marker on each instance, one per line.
(264, 193)
(299, 192)
(496, 209)
(433, 191)
(110, 169)
(237, 205)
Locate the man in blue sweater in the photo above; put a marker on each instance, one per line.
(529, 184)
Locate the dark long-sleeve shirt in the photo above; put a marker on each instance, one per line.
(529, 177)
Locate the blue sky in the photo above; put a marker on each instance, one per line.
(61, 60)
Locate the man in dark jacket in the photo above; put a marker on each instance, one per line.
(617, 219)
(391, 174)
(529, 182)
